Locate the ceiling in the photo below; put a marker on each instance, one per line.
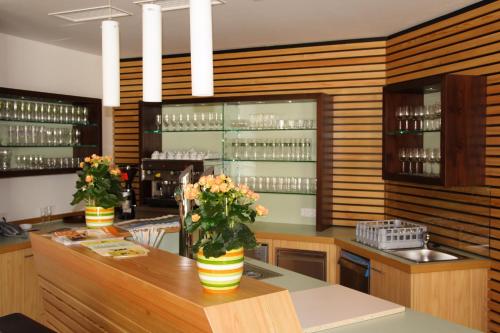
(237, 24)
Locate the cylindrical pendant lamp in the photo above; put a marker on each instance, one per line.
(110, 63)
(202, 72)
(151, 53)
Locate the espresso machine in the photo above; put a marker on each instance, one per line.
(127, 209)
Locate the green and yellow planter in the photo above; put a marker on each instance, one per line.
(96, 217)
(222, 274)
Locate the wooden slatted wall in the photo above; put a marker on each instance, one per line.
(468, 43)
(353, 73)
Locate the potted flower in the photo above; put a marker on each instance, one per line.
(223, 209)
(98, 185)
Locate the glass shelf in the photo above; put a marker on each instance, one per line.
(231, 130)
(46, 122)
(281, 161)
(181, 131)
(405, 132)
(267, 129)
(46, 146)
(418, 175)
(275, 192)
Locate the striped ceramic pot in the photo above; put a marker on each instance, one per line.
(96, 217)
(222, 274)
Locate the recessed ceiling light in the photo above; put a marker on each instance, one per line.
(167, 5)
(90, 14)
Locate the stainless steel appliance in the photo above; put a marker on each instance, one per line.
(310, 263)
(354, 271)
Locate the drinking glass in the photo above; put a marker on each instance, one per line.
(85, 113)
(403, 157)
(203, 120)
(437, 118)
(406, 118)
(158, 122)
(421, 158)
(400, 117)
(195, 121)
(8, 110)
(436, 166)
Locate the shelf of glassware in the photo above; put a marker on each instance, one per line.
(417, 137)
(286, 191)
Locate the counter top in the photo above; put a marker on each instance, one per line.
(344, 238)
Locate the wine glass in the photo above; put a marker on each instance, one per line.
(403, 158)
(436, 166)
(399, 116)
(166, 121)
(422, 156)
(158, 122)
(195, 121)
(406, 117)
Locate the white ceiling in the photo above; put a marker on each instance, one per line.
(237, 24)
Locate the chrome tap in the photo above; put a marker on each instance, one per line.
(426, 236)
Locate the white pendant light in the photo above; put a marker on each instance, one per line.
(202, 72)
(151, 53)
(110, 63)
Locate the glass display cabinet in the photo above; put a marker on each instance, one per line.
(434, 130)
(271, 143)
(42, 133)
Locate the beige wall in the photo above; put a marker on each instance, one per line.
(30, 65)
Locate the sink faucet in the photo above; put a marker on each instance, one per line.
(427, 237)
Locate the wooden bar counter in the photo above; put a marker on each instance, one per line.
(85, 292)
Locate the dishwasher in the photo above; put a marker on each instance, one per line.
(354, 271)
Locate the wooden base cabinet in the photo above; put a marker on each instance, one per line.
(20, 291)
(459, 295)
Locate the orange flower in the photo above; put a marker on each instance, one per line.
(243, 188)
(215, 188)
(202, 181)
(82, 164)
(223, 188)
(89, 179)
(195, 217)
(261, 210)
(255, 196)
(87, 159)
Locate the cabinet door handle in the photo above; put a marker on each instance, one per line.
(376, 270)
(28, 256)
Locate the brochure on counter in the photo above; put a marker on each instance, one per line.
(116, 248)
(76, 236)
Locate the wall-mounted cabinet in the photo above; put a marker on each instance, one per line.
(271, 143)
(434, 130)
(42, 133)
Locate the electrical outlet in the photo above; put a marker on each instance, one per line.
(308, 212)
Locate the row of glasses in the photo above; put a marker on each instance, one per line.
(290, 149)
(196, 121)
(41, 135)
(420, 161)
(279, 184)
(33, 111)
(38, 162)
(260, 121)
(419, 118)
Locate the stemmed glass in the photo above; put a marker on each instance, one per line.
(158, 122)
(174, 122)
(195, 121)
(436, 166)
(422, 157)
(166, 121)
(403, 158)
(399, 116)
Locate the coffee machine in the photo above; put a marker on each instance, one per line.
(127, 209)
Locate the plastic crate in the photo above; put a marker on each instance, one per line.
(390, 234)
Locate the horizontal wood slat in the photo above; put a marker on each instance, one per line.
(467, 218)
(353, 73)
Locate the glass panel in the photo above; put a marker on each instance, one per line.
(251, 141)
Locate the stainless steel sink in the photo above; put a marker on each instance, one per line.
(424, 255)
(258, 273)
